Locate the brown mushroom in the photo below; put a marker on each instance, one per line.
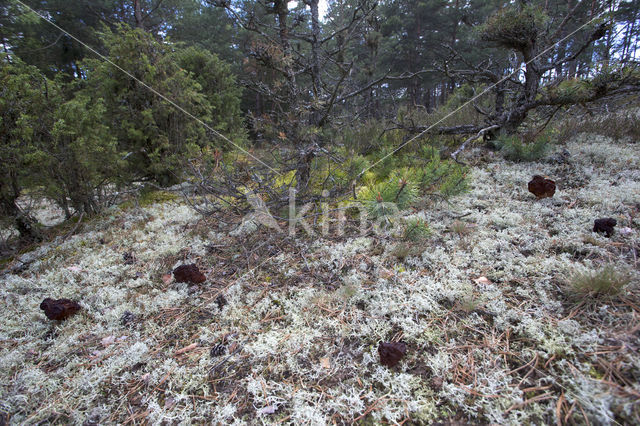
(604, 225)
(59, 309)
(189, 274)
(391, 352)
(542, 187)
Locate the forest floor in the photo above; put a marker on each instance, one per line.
(287, 329)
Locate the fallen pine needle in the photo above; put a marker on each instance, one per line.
(522, 404)
(186, 349)
(476, 393)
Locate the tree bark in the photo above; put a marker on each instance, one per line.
(26, 225)
(316, 114)
(282, 11)
(137, 14)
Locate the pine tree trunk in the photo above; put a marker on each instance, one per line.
(138, 14)
(26, 225)
(316, 115)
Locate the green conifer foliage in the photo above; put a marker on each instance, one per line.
(81, 159)
(25, 117)
(155, 137)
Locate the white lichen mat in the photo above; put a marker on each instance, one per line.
(491, 332)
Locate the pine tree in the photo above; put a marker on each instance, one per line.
(27, 100)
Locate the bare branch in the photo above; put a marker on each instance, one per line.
(454, 154)
(596, 35)
(564, 22)
(332, 101)
(153, 9)
(355, 19)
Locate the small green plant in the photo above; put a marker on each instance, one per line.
(386, 162)
(455, 183)
(515, 149)
(349, 171)
(608, 281)
(416, 229)
(469, 303)
(385, 199)
(459, 227)
(444, 177)
(403, 250)
(347, 292)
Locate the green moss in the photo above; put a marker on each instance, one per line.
(433, 335)
(593, 372)
(347, 292)
(154, 197)
(148, 198)
(4, 261)
(470, 302)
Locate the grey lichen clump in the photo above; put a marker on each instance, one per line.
(492, 333)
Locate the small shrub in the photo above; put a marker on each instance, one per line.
(353, 166)
(465, 112)
(155, 138)
(386, 198)
(368, 136)
(416, 229)
(403, 250)
(514, 149)
(444, 177)
(455, 183)
(608, 281)
(386, 161)
(461, 228)
(469, 303)
(81, 161)
(618, 125)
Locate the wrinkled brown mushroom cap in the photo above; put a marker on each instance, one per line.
(59, 309)
(542, 187)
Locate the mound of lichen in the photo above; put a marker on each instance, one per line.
(287, 329)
